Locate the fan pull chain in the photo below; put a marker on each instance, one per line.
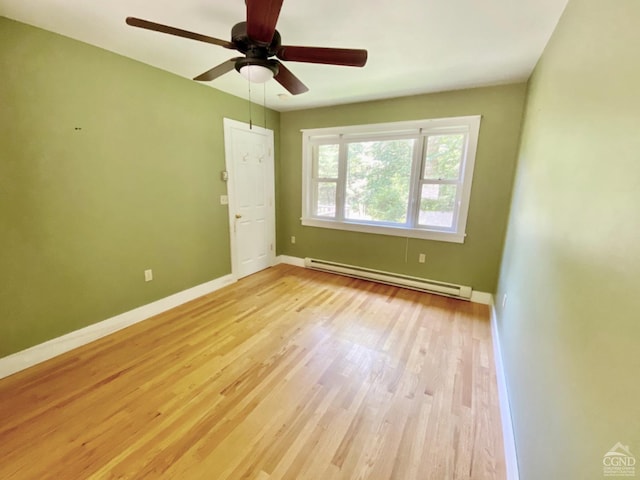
(250, 119)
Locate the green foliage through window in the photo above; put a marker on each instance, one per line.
(378, 180)
(443, 157)
(328, 161)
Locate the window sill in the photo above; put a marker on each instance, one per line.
(386, 230)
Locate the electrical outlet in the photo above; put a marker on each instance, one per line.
(148, 275)
(224, 200)
(293, 239)
(422, 258)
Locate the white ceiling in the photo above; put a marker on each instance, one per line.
(415, 46)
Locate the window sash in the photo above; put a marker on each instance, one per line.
(422, 131)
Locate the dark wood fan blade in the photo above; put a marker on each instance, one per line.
(262, 16)
(217, 71)
(157, 27)
(289, 81)
(331, 56)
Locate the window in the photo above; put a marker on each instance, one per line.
(411, 179)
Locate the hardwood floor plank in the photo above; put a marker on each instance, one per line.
(287, 374)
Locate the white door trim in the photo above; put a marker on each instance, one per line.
(230, 124)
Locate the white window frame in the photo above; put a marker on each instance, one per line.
(419, 130)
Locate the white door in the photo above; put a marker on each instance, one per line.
(249, 160)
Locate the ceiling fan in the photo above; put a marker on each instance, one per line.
(258, 40)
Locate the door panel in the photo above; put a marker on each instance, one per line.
(249, 157)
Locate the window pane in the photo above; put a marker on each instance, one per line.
(378, 180)
(325, 199)
(443, 156)
(327, 161)
(437, 205)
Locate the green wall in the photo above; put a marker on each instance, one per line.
(475, 262)
(107, 167)
(570, 331)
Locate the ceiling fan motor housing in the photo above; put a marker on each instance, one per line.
(256, 53)
(248, 46)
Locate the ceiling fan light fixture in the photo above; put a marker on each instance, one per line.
(256, 73)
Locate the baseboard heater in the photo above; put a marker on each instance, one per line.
(447, 289)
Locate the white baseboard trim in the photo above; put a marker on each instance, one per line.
(57, 346)
(508, 436)
(298, 262)
(476, 297)
(481, 297)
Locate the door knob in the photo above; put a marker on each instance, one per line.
(238, 215)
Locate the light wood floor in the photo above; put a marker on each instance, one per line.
(287, 374)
